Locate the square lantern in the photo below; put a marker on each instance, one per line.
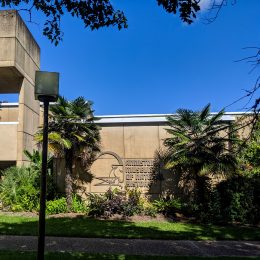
(46, 85)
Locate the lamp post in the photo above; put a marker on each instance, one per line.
(46, 90)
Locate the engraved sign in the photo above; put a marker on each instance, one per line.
(115, 175)
(138, 172)
(130, 173)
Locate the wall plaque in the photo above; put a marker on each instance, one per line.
(126, 173)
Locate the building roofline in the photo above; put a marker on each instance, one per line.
(7, 104)
(141, 118)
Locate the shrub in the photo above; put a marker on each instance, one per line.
(234, 200)
(56, 206)
(149, 209)
(240, 199)
(134, 203)
(95, 204)
(168, 206)
(78, 205)
(18, 189)
(60, 205)
(116, 202)
(105, 205)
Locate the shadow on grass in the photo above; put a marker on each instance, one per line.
(86, 227)
(8, 255)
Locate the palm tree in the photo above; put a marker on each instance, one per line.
(73, 135)
(35, 159)
(200, 144)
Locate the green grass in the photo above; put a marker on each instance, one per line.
(8, 255)
(86, 227)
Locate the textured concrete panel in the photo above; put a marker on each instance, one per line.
(26, 39)
(24, 142)
(7, 50)
(4, 115)
(8, 141)
(7, 25)
(27, 97)
(9, 114)
(113, 139)
(12, 115)
(30, 120)
(141, 141)
(163, 134)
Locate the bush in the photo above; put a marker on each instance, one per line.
(18, 189)
(134, 203)
(240, 199)
(234, 200)
(106, 205)
(168, 206)
(56, 206)
(59, 205)
(150, 210)
(115, 202)
(78, 205)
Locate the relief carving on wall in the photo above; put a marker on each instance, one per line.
(131, 173)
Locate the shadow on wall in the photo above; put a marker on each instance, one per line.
(81, 176)
(174, 184)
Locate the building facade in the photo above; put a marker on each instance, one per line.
(128, 142)
(128, 147)
(19, 59)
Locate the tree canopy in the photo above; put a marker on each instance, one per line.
(73, 135)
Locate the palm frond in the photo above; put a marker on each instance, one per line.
(204, 114)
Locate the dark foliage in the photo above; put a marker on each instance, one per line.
(200, 145)
(240, 199)
(73, 135)
(186, 8)
(168, 206)
(94, 14)
(115, 202)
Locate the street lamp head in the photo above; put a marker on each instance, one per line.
(46, 86)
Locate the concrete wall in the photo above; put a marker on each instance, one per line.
(19, 59)
(128, 154)
(9, 114)
(128, 144)
(8, 141)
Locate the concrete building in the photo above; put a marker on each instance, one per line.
(129, 142)
(19, 59)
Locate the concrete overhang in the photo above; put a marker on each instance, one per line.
(19, 52)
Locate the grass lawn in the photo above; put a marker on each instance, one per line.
(86, 227)
(7, 255)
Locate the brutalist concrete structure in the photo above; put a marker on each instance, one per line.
(19, 59)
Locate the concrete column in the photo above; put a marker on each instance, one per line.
(19, 59)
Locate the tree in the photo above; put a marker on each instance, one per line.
(200, 144)
(94, 13)
(73, 135)
(35, 159)
(250, 154)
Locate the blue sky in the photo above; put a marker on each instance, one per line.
(158, 64)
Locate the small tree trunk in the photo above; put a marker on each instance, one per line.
(201, 188)
(68, 179)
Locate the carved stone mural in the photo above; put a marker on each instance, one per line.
(121, 172)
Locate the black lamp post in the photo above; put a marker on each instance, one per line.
(46, 90)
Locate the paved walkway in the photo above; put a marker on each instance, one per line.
(135, 246)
